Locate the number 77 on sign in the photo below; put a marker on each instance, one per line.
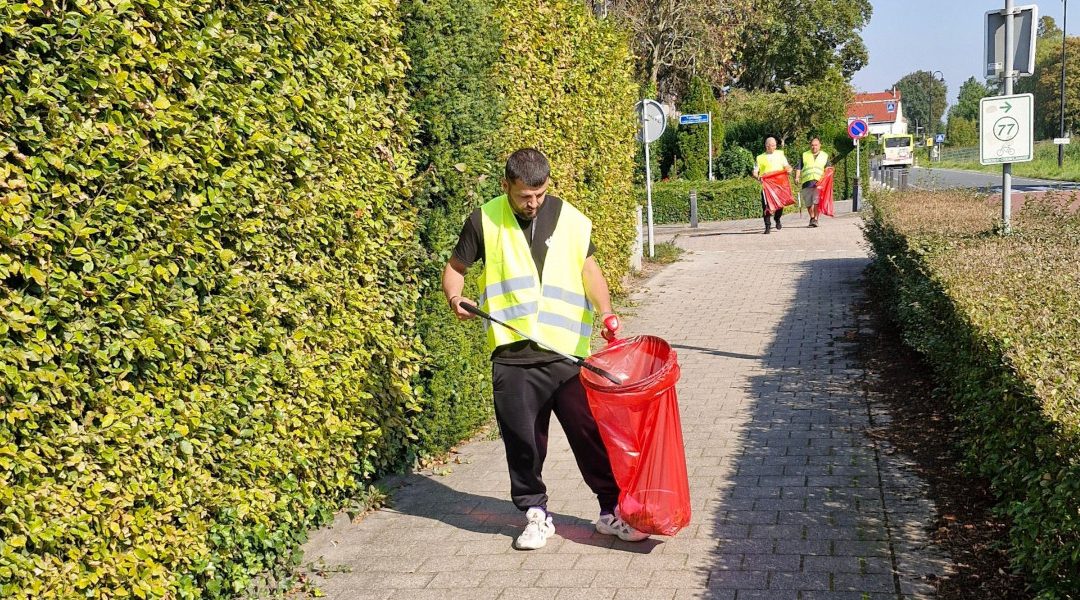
(1006, 131)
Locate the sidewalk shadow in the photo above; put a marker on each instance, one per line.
(807, 509)
(423, 496)
(719, 233)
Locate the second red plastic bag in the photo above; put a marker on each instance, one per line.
(639, 423)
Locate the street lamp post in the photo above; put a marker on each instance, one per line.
(940, 77)
(1064, 21)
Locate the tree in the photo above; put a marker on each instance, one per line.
(819, 104)
(795, 42)
(967, 102)
(694, 139)
(787, 116)
(924, 99)
(1048, 29)
(1047, 90)
(675, 40)
(961, 131)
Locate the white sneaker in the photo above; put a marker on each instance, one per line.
(537, 531)
(613, 525)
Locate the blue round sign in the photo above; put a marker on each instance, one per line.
(857, 129)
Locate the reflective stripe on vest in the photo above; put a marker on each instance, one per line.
(556, 311)
(813, 168)
(768, 163)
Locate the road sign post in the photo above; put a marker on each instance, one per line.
(857, 129)
(652, 121)
(694, 120)
(1006, 46)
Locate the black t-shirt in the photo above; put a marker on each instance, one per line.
(470, 249)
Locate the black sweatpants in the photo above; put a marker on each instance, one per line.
(765, 212)
(525, 397)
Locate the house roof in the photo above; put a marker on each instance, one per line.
(875, 106)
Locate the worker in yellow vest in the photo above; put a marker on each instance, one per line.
(810, 170)
(539, 276)
(771, 161)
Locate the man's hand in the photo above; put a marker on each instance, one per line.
(461, 313)
(611, 326)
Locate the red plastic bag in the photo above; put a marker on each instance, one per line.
(777, 190)
(639, 423)
(824, 193)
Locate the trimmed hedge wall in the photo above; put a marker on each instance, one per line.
(207, 286)
(728, 200)
(222, 234)
(453, 47)
(572, 96)
(996, 316)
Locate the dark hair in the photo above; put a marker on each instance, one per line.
(815, 138)
(529, 167)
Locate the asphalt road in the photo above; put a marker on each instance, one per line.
(940, 179)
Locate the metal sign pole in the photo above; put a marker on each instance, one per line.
(648, 195)
(650, 111)
(710, 147)
(858, 179)
(648, 186)
(1006, 169)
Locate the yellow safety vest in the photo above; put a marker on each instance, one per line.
(767, 163)
(813, 168)
(552, 309)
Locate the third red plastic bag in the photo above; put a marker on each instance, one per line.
(825, 193)
(639, 423)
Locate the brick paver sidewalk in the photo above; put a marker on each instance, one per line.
(791, 498)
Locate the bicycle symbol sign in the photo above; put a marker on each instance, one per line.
(1006, 128)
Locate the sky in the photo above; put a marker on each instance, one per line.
(938, 35)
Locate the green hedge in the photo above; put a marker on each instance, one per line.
(207, 286)
(453, 48)
(997, 318)
(567, 80)
(222, 233)
(728, 200)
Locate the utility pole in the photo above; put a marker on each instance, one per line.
(1064, 21)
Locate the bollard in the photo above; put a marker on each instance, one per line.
(693, 209)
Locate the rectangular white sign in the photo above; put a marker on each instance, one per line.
(1006, 131)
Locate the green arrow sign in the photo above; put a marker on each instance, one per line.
(1007, 106)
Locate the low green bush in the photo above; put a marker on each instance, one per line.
(733, 163)
(717, 200)
(996, 316)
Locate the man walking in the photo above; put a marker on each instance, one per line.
(771, 161)
(539, 276)
(809, 172)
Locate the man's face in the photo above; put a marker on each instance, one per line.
(815, 146)
(525, 200)
(770, 145)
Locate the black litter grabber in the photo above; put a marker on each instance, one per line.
(577, 361)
